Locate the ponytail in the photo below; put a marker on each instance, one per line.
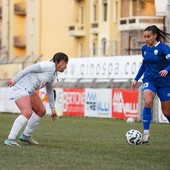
(161, 35)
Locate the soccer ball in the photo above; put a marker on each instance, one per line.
(133, 137)
(130, 120)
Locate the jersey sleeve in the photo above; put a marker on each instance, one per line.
(166, 50)
(50, 94)
(140, 72)
(168, 68)
(47, 66)
(35, 68)
(166, 53)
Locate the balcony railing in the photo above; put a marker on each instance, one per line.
(139, 22)
(20, 41)
(77, 30)
(20, 9)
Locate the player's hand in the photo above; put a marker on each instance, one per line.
(133, 84)
(11, 82)
(163, 73)
(53, 115)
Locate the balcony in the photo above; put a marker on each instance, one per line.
(94, 28)
(139, 22)
(77, 30)
(19, 41)
(20, 9)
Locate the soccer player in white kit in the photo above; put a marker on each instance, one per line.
(22, 91)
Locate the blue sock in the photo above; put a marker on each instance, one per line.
(147, 117)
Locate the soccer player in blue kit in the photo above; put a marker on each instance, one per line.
(155, 69)
(23, 91)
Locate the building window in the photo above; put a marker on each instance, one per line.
(94, 49)
(94, 12)
(115, 11)
(115, 47)
(81, 15)
(104, 52)
(81, 49)
(134, 7)
(104, 10)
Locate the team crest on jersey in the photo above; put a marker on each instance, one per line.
(155, 52)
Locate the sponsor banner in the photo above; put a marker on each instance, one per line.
(107, 103)
(43, 95)
(124, 103)
(117, 67)
(98, 103)
(58, 93)
(161, 117)
(73, 102)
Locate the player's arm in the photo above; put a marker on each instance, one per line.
(138, 76)
(166, 53)
(50, 94)
(140, 72)
(35, 68)
(164, 72)
(142, 67)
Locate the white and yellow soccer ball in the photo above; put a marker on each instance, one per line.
(134, 137)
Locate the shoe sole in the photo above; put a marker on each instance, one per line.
(29, 142)
(12, 145)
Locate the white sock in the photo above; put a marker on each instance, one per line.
(32, 124)
(18, 124)
(146, 131)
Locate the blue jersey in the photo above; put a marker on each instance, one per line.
(155, 59)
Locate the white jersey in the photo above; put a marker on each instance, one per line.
(36, 77)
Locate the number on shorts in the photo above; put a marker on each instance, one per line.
(145, 85)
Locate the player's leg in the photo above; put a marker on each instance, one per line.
(24, 104)
(38, 112)
(148, 96)
(166, 109)
(164, 96)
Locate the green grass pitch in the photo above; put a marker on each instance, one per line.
(77, 143)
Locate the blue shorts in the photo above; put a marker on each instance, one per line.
(162, 92)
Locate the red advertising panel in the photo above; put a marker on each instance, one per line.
(73, 102)
(124, 103)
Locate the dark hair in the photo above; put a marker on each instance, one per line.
(59, 57)
(161, 35)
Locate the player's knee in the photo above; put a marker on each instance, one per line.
(41, 112)
(27, 114)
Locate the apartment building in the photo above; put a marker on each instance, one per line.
(133, 21)
(80, 28)
(35, 27)
(114, 27)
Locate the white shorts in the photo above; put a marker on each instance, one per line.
(17, 92)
